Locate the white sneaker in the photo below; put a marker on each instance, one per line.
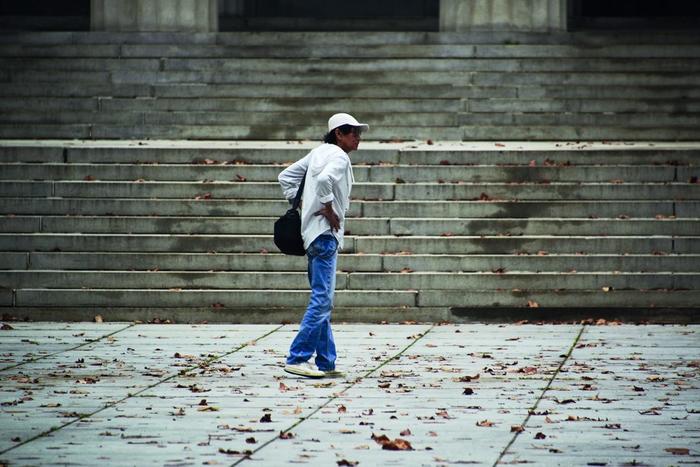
(305, 369)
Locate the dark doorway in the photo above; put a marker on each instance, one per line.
(44, 15)
(634, 14)
(329, 15)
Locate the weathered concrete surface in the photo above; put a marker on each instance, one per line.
(146, 394)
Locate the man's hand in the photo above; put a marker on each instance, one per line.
(332, 218)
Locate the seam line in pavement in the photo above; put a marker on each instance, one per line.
(544, 391)
(332, 398)
(140, 391)
(91, 341)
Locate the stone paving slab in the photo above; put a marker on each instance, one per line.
(145, 394)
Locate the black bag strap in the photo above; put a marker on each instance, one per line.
(297, 198)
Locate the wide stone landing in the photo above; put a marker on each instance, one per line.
(413, 394)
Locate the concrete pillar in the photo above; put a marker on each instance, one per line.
(503, 15)
(154, 15)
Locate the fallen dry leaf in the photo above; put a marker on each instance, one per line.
(678, 451)
(485, 423)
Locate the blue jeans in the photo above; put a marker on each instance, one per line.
(315, 333)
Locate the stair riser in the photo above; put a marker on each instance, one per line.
(376, 174)
(346, 262)
(358, 226)
(344, 281)
(437, 209)
(420, 245)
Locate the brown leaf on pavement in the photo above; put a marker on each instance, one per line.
(347, 462)
(540, 435)
(678, 451)
(406, 432)
(6, 327)
(267, 418)
(516, 429)
(485, 423)
(286, 435)
(98, 319)
(342, 409)
(467, 378)
(251, 440)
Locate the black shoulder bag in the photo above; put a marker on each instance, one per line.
(288, 228)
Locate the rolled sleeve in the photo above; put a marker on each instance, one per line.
(329, 176)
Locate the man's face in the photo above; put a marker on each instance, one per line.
(350, 141)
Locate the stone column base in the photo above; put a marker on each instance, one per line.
(502, 15)
(154, 15)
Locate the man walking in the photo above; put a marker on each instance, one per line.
(325, 200)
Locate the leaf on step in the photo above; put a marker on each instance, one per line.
(466, 378)
(89, 178)
(678, 451)
(204, 196)
(98, 319)
(447, 234)
(240, 178)
(532, 304)
(485, 423)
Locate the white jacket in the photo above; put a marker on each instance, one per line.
(329, 177)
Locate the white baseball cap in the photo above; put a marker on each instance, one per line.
(341, 119)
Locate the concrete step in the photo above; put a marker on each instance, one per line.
(533, 244)
(207, 90)
(559, 113)
(222, 300)
(544, 244)
(342, 51)
(348, 262)
(79, 90)
(444, 190)
(389, 71)
(466, 133)
(361, 281)
(440, 175)
(250, 299)
(357, 226)
(588, 38)
(266, 152)
(386, 208)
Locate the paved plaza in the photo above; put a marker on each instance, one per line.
(413, 394)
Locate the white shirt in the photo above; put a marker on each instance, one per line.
(329, 177)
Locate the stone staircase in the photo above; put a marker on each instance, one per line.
(111, 207)
(182, 230)
(412, 85)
